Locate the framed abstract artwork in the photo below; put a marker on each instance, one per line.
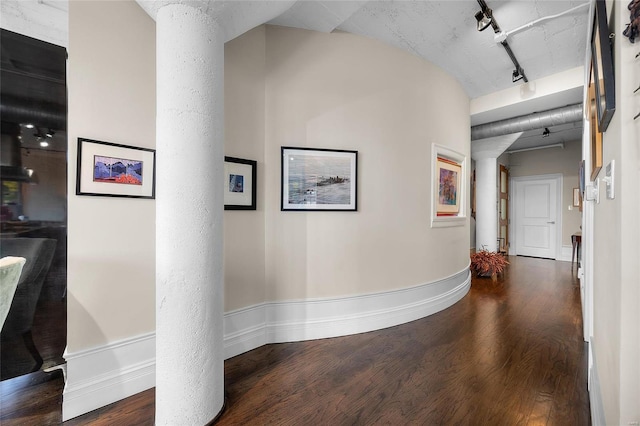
(115, 170)
(318, 179)
(448, 206)
(240, 177)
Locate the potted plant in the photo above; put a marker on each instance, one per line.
(488, 263)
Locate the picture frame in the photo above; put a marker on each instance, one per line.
(594, 128)
(316, 179)
(577, 198)
(240, 180)
(448, 187)
(114, 170)
(602, 63)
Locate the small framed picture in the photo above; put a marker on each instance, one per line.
(240, 178)
(319, 179)
(115, 170)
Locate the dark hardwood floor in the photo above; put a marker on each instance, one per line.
(508, 353)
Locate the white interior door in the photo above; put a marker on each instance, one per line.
(536, 217)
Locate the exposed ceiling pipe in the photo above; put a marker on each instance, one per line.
(537, 21)
(536, 120)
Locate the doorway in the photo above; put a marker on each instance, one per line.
(33, 176)
(537, 217)
(503, 211)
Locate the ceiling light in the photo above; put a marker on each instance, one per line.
(517, 75)
(546, 132)
(484, 19)
(50, 133)
(29, 126)
(44, 144)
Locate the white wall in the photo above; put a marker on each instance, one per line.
(565, 161)
(616, 299)
(111, 241)
(343, 91)
(244, 231)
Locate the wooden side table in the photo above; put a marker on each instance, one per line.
(576, 240)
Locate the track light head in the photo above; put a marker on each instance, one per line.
(517, 75)
(484, 19)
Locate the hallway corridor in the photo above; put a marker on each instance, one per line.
(507, 353)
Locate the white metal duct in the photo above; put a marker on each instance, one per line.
(536, 120)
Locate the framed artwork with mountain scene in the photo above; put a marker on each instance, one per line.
(115, 170)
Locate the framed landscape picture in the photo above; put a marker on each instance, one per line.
(240, 178)
(318, 179)
(115, 170)
(448, 187)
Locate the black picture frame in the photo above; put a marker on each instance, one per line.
(138, 180)
(240, 183)
(602, 59)
(318, 179)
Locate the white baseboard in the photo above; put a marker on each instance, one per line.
(565, 254)
(292, 321)
(101, 376)
(595, 393)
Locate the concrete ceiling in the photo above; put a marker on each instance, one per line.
(442, 32)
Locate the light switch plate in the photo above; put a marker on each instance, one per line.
(609, 179)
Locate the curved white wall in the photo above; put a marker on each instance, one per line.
(338, 91)
(347, 92)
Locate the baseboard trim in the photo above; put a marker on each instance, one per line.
(103, 375)
(109, 373)
(595, 393)
(565, 254)
(292, 321)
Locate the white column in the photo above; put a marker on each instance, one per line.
(189, 205)
(486, 204)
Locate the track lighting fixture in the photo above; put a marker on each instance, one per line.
(50, 133)
(484, 19)
(546, 132)
(517, 75)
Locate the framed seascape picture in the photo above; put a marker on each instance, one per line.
(115, 170)
(448, 187)
(240, 178)
(318, 179)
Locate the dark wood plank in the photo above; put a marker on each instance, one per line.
(509, 353)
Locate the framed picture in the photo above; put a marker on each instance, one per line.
(448, 187)
(576, 197)
(594, 129)
(319, 179)
(240, 177)
(114, 170)
(602, 63)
